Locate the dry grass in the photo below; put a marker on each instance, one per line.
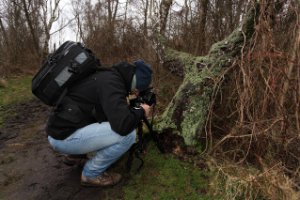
(238, 182)
(255, 116)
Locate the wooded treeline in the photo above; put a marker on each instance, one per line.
(114, 29)
(241, 101)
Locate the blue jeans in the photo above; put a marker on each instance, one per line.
(99, 137)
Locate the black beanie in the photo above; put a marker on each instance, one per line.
(143, 73)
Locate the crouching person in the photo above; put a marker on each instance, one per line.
(95, 116)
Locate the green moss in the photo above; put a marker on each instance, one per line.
(194, 119)
(164, 177)
(232, 41)
(200, 78)
(185, 58)
(194, 116)
(163, 124)
(165, 120)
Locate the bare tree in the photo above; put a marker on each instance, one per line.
(163, 13)
(201, 27)
(112, 9)
(31, 13)
(3, 32)
(15, 33)
(50, 14)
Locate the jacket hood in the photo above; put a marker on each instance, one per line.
(126, 71)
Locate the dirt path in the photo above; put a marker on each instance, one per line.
(29, 169)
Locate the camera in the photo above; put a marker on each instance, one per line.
(146, 96)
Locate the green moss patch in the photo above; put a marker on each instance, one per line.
(165, 177)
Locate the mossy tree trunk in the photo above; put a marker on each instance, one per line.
(186, 114)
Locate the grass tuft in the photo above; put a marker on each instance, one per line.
(18, 89)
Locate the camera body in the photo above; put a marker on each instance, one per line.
(147, 96)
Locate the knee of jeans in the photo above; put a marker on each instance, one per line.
(53, 146)
(131, 137)
(50, 140)
(52, 143)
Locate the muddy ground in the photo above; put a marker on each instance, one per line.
(29, 169)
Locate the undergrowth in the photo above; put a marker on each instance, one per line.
(165, 177)
(254, 120)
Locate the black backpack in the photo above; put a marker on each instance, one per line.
(70, 63)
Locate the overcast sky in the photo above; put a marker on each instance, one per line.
(69, 32)
(66, 33)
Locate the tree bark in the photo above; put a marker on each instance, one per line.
(186, 114)
(201, 42)
(32, 30)
(112, 12)
(54, 14)
(145, 24)
(4, 32)
(164, 11)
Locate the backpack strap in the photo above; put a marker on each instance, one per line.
(63, 94)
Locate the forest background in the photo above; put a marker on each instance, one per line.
(251, 137)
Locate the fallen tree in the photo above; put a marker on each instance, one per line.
(187, 113)
(243, 99)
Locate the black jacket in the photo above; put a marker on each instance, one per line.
(98, 98)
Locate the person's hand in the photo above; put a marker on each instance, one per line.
(147, 110)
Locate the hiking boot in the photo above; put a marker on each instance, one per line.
(72, 160)
(105, 179)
